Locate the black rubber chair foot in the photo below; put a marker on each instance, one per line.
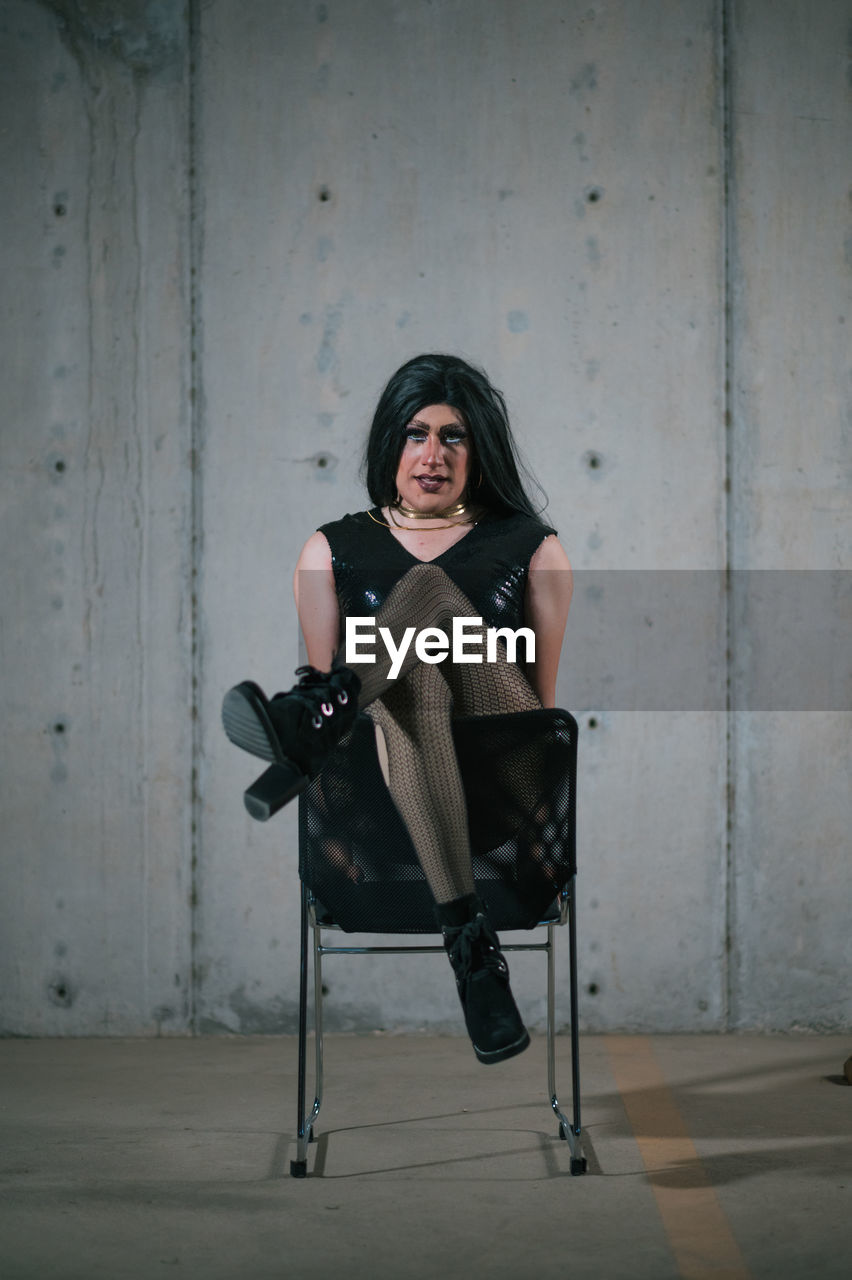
(273, 789)
(578, 1166)
(298, 1168)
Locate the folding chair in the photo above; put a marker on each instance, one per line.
(360, 874)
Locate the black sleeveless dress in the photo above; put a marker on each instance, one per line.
(355, 852)
(489, 564)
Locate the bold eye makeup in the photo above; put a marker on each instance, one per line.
(451, 434)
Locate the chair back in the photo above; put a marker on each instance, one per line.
(519, 775)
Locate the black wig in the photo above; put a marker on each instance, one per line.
(495, 481)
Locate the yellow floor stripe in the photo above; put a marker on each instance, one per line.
(693, 1218)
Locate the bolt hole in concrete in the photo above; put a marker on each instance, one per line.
(593, 195)
(592, 988)
(59, 466)
(592, 722)
(59, 727)
(59, 992)
(324, 195)
(594, 461)
(59, 210)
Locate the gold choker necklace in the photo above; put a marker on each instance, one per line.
(435, 528)
(411, 513)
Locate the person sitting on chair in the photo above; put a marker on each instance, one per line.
(452, 535)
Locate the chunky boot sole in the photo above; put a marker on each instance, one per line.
(246, 721)
(500, 1055)
(280, 784)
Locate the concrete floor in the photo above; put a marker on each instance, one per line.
(709, 1156)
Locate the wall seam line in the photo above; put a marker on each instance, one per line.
(728, 424)
(195, 434)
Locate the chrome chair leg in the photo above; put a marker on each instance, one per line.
(551, 1034)
(573, 1133)
(318, 1029)
(305, 1124)
(299, 1166)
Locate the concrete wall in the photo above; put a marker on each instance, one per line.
(225, 227)
(96, 502)
(790, 472)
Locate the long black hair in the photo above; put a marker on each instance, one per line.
(495, 479)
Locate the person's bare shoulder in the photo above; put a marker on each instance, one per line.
(315, 554)
(550, 555)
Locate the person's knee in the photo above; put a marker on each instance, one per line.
(427, 588)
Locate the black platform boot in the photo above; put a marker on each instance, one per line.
(295, 730)
(482, 977)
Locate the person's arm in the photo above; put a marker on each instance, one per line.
(548, 598)
(316, 601)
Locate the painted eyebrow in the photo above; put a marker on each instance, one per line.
(446, 426)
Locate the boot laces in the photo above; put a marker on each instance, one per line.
(475, 947)
(315, 686)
